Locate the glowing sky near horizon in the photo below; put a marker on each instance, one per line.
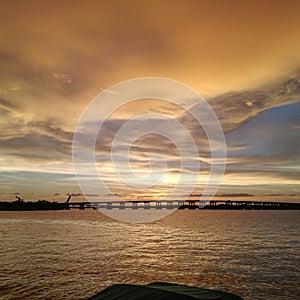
(56, 56)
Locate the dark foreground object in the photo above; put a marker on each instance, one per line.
(161, 291)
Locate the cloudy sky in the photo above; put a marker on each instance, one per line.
(242, 56)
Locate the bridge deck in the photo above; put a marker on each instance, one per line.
(190, 204)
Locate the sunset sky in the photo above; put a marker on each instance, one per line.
(56, 56)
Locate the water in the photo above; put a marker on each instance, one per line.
(75, 254)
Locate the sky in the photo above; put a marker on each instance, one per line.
(241, 56)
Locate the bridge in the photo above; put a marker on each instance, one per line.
(187, 204)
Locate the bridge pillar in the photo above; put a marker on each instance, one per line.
(158, 205)
(170, 205)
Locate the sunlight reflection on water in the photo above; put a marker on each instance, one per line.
(75, 254)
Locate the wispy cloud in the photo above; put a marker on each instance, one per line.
(262, 139)
(236, 108)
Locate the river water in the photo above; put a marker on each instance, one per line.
(75, 254)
